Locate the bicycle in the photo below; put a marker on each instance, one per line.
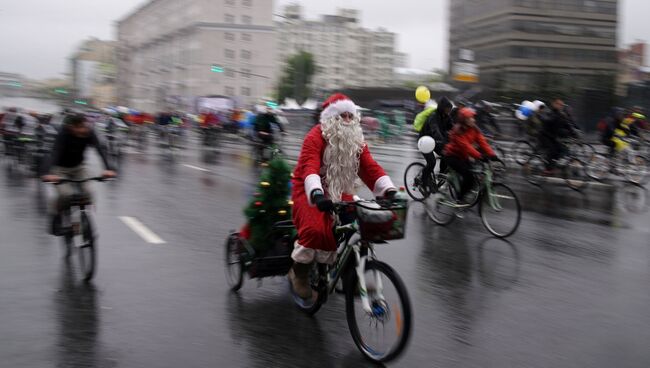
(523, 150)
(77, 229)
(356, 266)
(627, 160)
(415, 185)
(493, 199)
(572, 170)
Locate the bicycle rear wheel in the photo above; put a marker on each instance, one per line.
(234, 263)
(500, 211)
(533, 170)
(413, 182)
(382, 334)
(522, 151)
(86, 250)
(439, 208)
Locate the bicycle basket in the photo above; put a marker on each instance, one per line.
(382, 221)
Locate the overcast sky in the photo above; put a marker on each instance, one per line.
(37, 36)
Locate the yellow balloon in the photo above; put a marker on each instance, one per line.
(422, 94)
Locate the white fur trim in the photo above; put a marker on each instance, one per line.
(382, 185)
(312, 182)
(337, 108)
(306, 255)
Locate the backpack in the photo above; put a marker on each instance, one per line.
(421, 118)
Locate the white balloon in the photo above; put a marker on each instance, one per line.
(538, 104)
(520, 115)
(528, 104)
(426, 144)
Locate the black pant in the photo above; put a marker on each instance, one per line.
(464, 170)
(554, 150)
(428, 171)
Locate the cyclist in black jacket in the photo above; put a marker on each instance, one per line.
(437, 126)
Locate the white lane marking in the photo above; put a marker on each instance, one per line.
(196, 168)
(139, 228)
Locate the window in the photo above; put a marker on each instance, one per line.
(247, 3)
(246, 73)
(245, 91)
(230, 2)
(229, 36)
(246, 19)
(246, 37)
(245, 54)
(230, 54)
(229, 91)
(229, 73)
(229, 18)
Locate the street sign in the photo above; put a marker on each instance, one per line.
(465, 72)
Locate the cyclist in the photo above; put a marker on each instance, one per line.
(460, 151)
(556, 124)
(437, 126)
(67, 161)
(485, 119)
(263, 126)
(608, 126)
(334, 153)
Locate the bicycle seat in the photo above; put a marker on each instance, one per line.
(283, 225)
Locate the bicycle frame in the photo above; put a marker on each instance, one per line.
(361, 250)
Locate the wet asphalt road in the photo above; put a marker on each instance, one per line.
(570, 289)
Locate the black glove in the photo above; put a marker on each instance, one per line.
(390, 194)
(495, 158)
(323, 204)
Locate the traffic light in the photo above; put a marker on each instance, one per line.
(81, 102)
(216, 69)
(15, 84)
(61, 91)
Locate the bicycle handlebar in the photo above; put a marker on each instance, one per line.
(63, 181)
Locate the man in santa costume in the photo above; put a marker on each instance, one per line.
(334, 153)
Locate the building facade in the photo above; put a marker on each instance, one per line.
(173, 51)
(93, 71)
(346, 54)
(532, 44)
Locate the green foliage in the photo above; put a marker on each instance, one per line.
(270, 204)
(296, 77)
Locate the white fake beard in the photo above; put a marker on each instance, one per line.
(341, 157)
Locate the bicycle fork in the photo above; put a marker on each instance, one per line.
(360, 268)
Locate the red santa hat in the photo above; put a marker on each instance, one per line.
(337, 104)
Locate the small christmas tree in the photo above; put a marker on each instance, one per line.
(269, 205)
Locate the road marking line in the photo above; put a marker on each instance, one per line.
(196, 168)
(139, 228)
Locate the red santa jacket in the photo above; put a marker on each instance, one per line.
(462, 144)
(308, 171)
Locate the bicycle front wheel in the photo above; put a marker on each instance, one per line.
(382, 333)
(86, 251)
(635, 169)
(598, 167)
(575, 174)
(413, 182)
(500, 211)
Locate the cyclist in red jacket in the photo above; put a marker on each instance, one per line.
(466, 144)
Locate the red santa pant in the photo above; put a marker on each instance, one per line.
(315, 233)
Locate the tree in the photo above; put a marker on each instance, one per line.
(269, 205)
(296, 77)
